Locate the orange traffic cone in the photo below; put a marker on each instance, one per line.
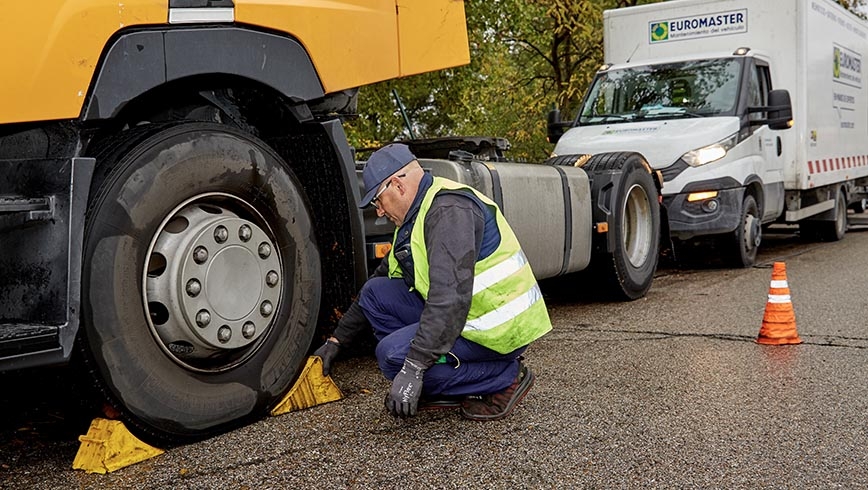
(779, 320)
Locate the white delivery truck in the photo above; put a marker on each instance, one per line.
(702, 90)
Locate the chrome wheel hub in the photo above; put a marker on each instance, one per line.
(637, 226)
(212, 285)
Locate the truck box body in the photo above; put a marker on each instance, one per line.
(811, 48)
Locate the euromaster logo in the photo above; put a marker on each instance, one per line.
(697, 26)
(846, 66)
(659, 31)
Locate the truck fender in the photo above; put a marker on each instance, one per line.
(754, 186)
(140, 61)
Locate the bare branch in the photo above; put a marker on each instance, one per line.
(523, 43)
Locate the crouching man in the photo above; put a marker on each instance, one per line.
(454, 304)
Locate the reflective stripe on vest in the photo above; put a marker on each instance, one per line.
(499, 272)
(507, 312)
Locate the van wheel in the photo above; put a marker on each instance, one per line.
(201, 282)
(744, 242)
(634, 222)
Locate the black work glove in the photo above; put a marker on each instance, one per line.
(403, 399)
(327, 353)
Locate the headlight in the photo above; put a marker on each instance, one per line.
(710, 153)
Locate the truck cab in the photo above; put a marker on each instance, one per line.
(177, 193)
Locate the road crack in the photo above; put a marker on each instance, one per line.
(817, 340)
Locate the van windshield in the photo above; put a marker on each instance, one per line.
(697, 88)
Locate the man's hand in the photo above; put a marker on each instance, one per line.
(327, 353)
(403, 398)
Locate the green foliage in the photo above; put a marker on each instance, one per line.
(492, 96)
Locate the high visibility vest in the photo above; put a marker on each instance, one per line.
(507, 310)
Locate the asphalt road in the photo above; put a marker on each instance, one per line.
(669, 391)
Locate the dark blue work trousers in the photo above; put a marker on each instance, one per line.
(470, 369)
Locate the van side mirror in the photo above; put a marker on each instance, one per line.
(779, 112)
(555, 126)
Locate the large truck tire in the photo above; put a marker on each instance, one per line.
(631, 200)
(831, 230)
(742, 244)
(201, 279)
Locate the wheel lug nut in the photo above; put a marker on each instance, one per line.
(264, 250)
(224, 334)
(271, 278)
(221, 234)
(244, 233)
(248, 330)
(200, 255)
(266, 308)
(194, 287)
(203, 318)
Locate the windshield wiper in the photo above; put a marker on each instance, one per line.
(668, 113)
(607, 117)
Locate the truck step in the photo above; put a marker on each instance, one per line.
(16, 210)
(19, 338)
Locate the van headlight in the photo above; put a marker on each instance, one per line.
(710, 153)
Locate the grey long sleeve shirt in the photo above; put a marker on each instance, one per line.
(453, 238)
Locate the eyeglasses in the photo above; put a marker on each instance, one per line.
(377, 195)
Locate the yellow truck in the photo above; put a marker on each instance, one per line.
(177, 194)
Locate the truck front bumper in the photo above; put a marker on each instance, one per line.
(711, 216)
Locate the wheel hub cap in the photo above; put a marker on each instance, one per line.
(637, 233)
(218, 287)
(753, 232)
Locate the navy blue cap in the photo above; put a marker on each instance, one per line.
(382, 164)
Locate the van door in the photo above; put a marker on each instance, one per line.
(772, 148)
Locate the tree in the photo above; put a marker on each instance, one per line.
(447, 102)
(564, 46)
(492, 96)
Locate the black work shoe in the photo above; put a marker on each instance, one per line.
(498, 405)
(440, 402)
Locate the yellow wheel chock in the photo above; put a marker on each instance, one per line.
(311, 389)
(108, 446)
